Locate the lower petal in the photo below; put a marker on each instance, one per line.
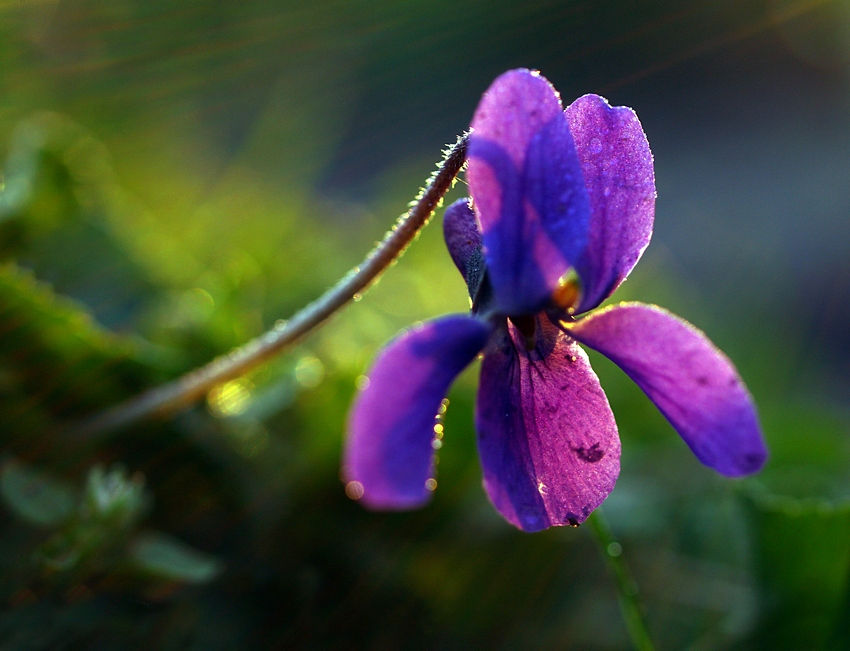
(692, 382)
(388, 457)
(547, 438)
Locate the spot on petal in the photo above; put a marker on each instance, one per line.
(592, 454)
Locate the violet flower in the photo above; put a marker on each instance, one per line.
(563, 205)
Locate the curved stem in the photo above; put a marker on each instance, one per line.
(168, 398)
(627, 589)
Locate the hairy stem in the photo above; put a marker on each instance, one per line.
(627, 589)
(166, 399)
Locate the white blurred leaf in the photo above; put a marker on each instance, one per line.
(168, 558)
(35, 496)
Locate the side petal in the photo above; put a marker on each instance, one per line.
(619, 176)
(527, 189)
(546, 435)
(391, 425)
(692, 382)
(463, 240)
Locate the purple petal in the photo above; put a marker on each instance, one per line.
(693, 384)
(617, 167)
(547, 438)
(389, 450)
(463, 239)
(527, 189)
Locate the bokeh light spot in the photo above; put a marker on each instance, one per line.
(362, 382)
(230, 399)
(354, 490)
(195, 307)
(309, 372)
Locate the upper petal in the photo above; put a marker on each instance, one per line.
(391, 424)
(527, 189)
(692, 382)
(547, 438)
(618, 173)
(463, 240)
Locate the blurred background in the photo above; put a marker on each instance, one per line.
(178, 176)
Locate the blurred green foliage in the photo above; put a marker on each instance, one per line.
(162, 201)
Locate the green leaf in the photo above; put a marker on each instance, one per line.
(36, 496)
(803, 553)
(168, 558)
(55, 361)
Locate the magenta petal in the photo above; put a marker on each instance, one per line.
(391, 425)
(546, 435)
(527, 189)
(692, 382)
(617, 167)
(463, 240)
